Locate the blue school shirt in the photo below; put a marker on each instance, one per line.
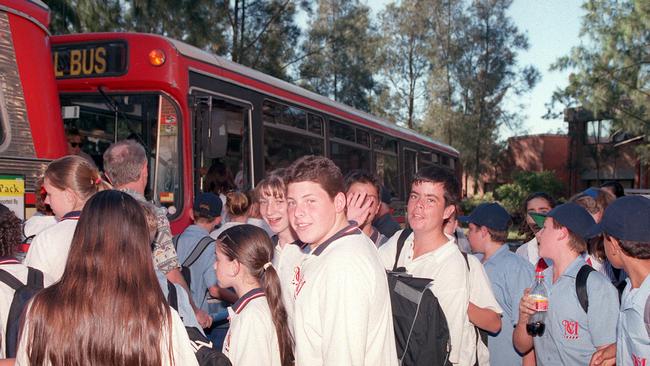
(202, 271)
(633, 342)
(185, 310)
(509, 275)
(571, 335)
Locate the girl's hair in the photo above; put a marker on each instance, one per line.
(10, 232)
(252, 247)
(523, 227)
(272, 185)
(76, 173)
(107, 309)
(237, 204)
(218, 179)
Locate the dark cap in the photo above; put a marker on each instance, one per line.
(208, 204)
(627, 218)
(574, 217)
(490, 215)
(385, 195)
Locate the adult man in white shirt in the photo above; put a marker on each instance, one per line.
(342, 313)
(429, 253)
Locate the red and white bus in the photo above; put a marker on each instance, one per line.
(190, 108)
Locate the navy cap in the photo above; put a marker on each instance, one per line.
(627, 218)
(208, 204)
(575, 218)
(490, 215)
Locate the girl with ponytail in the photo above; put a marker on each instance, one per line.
(259, 333)
(68, 182)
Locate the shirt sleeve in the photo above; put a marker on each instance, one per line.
(603, 303)
(164, 254)
(481, 294)
(521, 279)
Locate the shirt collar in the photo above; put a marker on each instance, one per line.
(374, 234)
(9, 260)
(137, 195)
(241, 303)
(350, 229)
(72, 215)
(574, 267)
(276, 240)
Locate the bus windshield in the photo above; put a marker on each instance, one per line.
(150, 119)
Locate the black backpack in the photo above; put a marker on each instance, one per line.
(202, 346)
(23, 293)
(196, 253)
(421, 331)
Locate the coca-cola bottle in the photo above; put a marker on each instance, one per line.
(536, 324)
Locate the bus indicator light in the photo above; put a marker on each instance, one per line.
(157, 57)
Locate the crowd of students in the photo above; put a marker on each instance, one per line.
(306, 283)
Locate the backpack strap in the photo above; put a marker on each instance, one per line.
(172, 297)
(581, 286)
(198, 250)
(34, 278)
(10, 280)
(400, 245)
(466, 260)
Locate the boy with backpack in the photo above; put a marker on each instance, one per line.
(509, 275)
(627, 245)
(581, 302)
(428, 253)
(196, 249)
(18, 283)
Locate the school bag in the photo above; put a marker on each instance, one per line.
(421, 331)
(23, 293)
(194, 255)
(203, 348)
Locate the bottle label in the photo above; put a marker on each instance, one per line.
(541, 302)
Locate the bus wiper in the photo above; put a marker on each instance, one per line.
(111, 104)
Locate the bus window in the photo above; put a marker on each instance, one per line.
(385, 154)
(349, 157)
(150, 119)
(410, 167)
(285, 142)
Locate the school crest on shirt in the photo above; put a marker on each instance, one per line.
(297, 282)
(571, 329)
(639, 361)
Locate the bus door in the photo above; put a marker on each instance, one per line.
(222, 143)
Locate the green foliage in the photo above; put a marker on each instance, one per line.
(611, 70)
(469, 204)
(512, 195)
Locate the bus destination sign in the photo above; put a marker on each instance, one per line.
(95, 59)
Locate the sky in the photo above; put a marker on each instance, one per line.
(552, 27)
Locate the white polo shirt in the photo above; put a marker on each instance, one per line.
(481, 295)
(286, 261)
(342, 305)
(252, 339)
(14, 268)
(49, 249)
(446, 267)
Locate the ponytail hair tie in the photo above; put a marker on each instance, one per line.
(267, 265)
(98, 180)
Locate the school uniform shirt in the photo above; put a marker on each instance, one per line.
(529, 251)
(633, 342)
(342, 305)
(49, 249)
(480, 294)
(37, 223)
(181, 353)
(572, 336)
(286, 260)
(252, 339)
(377, 238)
(509, 276)
(202, 271)
(446, 267)
(18, 270)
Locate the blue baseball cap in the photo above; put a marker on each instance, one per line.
(208, 204)
(627, 218)
(575, 218)
(490, 215)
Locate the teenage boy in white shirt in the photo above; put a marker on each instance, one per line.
(342, 313)
(429, 253)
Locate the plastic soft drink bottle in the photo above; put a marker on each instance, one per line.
(539, 293)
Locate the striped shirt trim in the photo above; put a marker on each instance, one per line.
(351, 229)
(240, 304)
(72, 215)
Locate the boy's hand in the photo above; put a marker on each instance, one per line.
(605, 356)
(358, 207)
(526, 307)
